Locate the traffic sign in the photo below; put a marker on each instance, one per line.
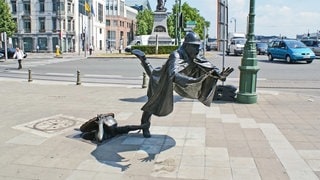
(191, 24)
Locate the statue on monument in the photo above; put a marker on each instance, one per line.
(160, 6)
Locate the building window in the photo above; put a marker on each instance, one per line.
(100, 30)
(42, 24)
(27, 25)
(111, 35)
(107, 22)
(100, 12)
(54, 24)
(115, 23)
(73, 26)
(43, 43)
(54, 5)
(69, 7)
(63, 24)
(26, 7)
(41, 6)
(14, 7)
(16, 22)
(69, 24)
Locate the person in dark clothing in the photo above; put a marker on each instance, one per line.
(186, 73)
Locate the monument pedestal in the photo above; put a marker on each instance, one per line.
(160, 30)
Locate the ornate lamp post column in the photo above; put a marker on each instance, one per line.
(179, 29)
(248, 69)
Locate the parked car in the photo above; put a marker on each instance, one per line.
(1, 55)
(290, 50)
(11, 52)
(314, 44)
(211, 44)
(262, 48)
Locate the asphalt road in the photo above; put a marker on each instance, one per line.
(277, 75)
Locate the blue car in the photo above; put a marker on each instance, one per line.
(290, 50)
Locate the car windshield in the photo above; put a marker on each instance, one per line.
(240, 41)
(211, 40)
(262, 45)
(295, 44)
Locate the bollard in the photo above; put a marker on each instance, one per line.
(78, 78)
(29, 76)
(144, 80)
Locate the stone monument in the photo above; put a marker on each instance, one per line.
(160, 29)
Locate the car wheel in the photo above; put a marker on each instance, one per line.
(270, 57)
(309, 61)
(288, 59)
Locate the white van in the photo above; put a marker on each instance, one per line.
(236, 46)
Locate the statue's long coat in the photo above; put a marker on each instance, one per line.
(179, 74)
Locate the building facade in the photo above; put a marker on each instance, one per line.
(44, 25)
(120, 24)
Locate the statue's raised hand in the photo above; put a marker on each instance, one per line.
(225, 73)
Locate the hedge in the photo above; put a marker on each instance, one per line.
(152, 49)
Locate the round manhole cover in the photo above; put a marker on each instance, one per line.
(53, 124)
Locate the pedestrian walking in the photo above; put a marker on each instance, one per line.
(19, 56)
(90, 49)
(38, 48)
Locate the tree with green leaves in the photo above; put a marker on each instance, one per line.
(144, 22)
(7, 24)
(189, 14)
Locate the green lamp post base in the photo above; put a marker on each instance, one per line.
(248, 69)
(247, 98)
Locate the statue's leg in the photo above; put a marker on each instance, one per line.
(145, 123)
(128, 128)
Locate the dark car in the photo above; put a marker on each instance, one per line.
(1, 55)
(262, 48)
(11, 52)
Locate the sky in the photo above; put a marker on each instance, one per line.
(272, 17)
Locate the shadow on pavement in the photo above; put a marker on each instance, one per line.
(121, 152)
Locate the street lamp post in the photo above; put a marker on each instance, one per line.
(180, 23)
(176, 24)
(249, 69)
(235, 23)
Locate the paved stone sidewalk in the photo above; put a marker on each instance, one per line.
(276, 138)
